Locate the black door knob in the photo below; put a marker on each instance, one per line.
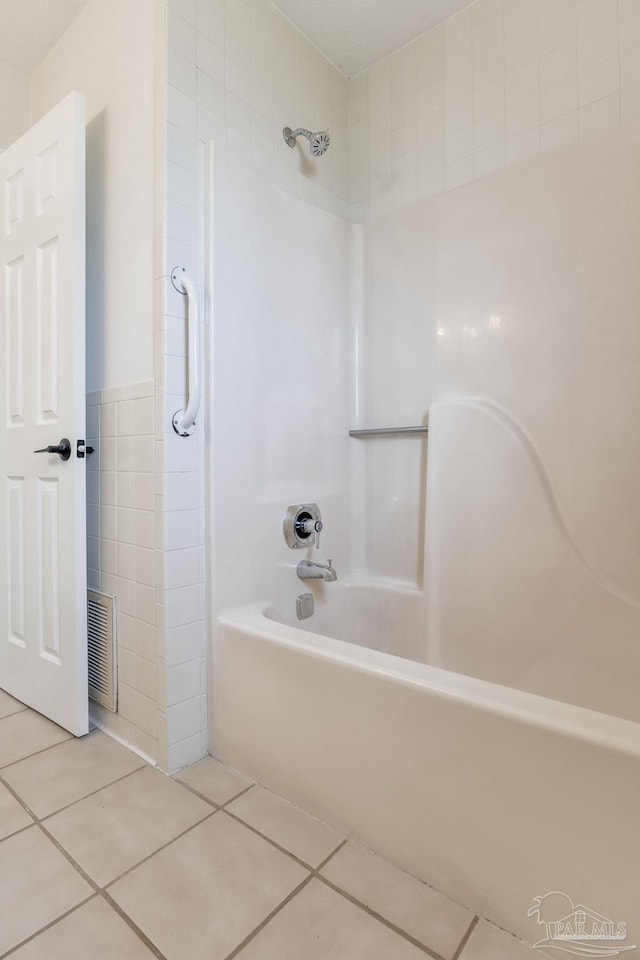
(63, 449)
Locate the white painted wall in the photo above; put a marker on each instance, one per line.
(14, 104)
(108, 56)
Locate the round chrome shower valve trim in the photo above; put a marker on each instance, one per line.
(302, 526)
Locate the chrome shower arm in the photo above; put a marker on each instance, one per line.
(299, 132)
(290, 135)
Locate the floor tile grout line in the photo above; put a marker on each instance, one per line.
(68, 739)
(254, 933)
(67, 856)
(196, 793)
(49, 925)
(291, 896)
(308, 866)
(98, 890)
(223, 806)
(326, 860)
(65, 853)
(203, 796)
(164, 846)
(133, 926)
(23, 803)
(378, 916)
(35, 753)
(105, 888)
(465, 940)
(5, 716)
(40, 823)
(48, 816)
(72, 803)
(274, 843)
(314, 872)
(15, 833)
(112, 905)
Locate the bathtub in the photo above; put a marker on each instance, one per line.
(492, 795)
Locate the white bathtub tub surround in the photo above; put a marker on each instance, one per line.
(491, 795)
(279, 404)
(383, 616)
(522, 288)
(511, 597)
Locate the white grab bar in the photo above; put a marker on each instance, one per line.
(184, 421)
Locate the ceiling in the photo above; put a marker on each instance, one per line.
(29, 28)
(355, 33)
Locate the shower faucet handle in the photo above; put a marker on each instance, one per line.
(310, 528)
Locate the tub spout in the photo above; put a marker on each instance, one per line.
(308, 570)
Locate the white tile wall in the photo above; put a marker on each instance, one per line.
(238, 72)
(181, 526)
(121, 514)
(497, 84)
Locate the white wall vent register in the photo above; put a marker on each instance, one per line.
(102, 649)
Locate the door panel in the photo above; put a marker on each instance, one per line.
(43, 629)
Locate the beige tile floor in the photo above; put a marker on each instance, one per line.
(103, 856)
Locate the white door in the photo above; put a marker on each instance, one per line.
(43, 579)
